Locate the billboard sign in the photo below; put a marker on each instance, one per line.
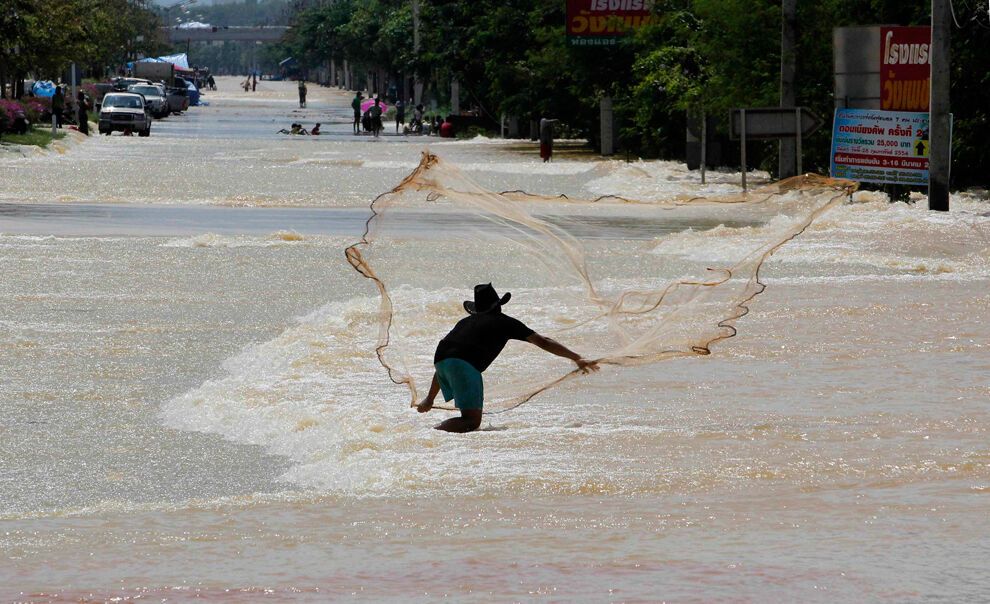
(885, 147)
(905, 68)
(602, 22)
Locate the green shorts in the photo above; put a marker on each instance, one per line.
(460, 381)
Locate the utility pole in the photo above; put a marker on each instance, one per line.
(940, 125)
(787, 160)
(417, 85)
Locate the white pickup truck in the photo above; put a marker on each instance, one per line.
(124, 112)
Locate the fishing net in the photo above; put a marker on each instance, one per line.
(619, 280)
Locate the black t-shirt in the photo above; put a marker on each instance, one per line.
(478, 339)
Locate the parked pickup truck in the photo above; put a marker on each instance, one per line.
(124, 112)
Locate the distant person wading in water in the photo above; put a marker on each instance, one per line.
(58, 105)
(546, 139)
(302, 94)
(82, 112)
(356, 106)
(400, 115)
(376, 116)
(464, 353)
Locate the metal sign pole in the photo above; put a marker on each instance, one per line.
(73, 76)
(704, 144)
(797, 140)
(742, 145)
(417, 83)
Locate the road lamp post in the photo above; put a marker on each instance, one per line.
(168, 14)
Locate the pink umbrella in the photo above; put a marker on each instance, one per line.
(369, 103)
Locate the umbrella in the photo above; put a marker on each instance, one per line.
(369, 103)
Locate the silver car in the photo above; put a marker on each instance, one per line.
(156, 102)
(124, 112)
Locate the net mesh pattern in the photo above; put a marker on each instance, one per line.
(619, 299)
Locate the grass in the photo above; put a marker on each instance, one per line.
(39, 137)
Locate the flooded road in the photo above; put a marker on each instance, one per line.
(191, 405)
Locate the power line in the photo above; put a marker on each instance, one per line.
(952, 11)
(974, 20)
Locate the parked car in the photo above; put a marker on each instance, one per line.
(154, 99)
(121, 84)
(178, 99)
(124, 112)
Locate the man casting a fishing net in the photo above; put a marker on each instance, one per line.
(464, 353)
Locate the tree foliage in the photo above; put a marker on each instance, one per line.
(512, 57)
(43, 37)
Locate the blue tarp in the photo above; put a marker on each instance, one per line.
(44, 88)
(193, 93)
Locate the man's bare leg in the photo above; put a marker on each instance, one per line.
(469, 421)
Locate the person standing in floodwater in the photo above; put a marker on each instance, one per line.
(254, 84)
(464, 353)
(302, 93)
(376, 117)
(356, 106)
(58, 105)
(82, 112)
(546, 138)
(400, 115)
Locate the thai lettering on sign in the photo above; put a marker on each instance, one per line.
(598, 22)
(886, 147)
(905, 68)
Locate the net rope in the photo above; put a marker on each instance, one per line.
(635, 307)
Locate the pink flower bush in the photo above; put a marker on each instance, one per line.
(6, 118)
(32, 109)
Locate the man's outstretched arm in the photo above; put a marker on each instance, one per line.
(554, 347)
(427, 403)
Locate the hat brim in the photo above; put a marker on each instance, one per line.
(470, 306)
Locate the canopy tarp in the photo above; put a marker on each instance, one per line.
(44, 88)
(180, 60)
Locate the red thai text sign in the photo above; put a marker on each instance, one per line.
(905, 68)
(600, 22)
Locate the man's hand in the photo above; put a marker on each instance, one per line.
(427, 403)
(587, 366)
(554, 347)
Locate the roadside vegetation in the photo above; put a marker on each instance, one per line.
(512, 57)
(39, 137)
(41, 38)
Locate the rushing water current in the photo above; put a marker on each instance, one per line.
(191, 405)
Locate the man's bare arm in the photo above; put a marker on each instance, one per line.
(554, 347)
(427, 403)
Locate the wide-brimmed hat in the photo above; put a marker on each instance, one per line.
(485, 299)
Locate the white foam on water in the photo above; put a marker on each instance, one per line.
(519, 168)
(870, 233)
(660, 180)
(215, 240)
(481, 139)
(317, 395)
